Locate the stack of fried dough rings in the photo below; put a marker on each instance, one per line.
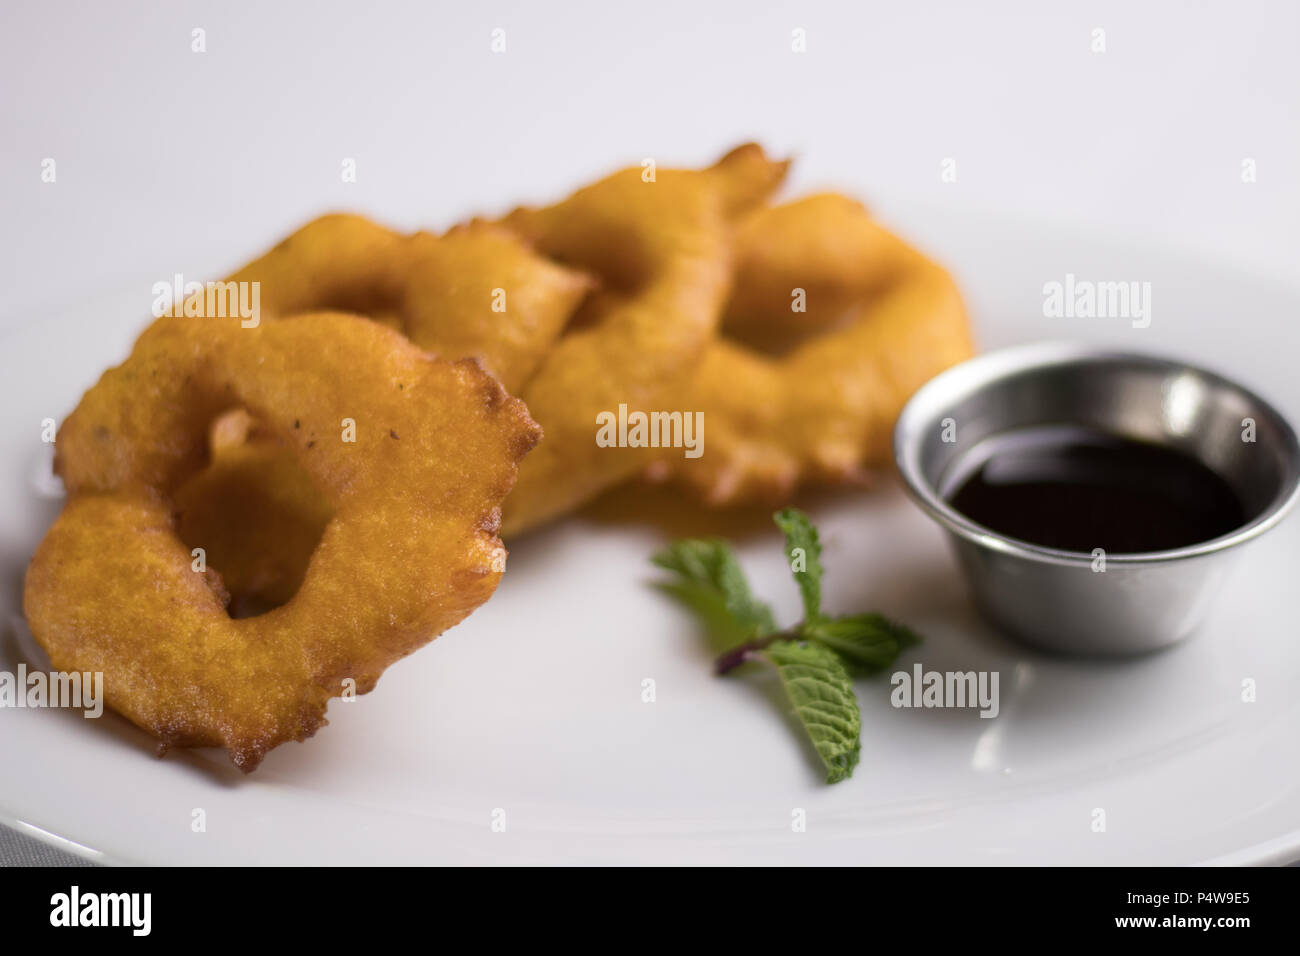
(264, 515)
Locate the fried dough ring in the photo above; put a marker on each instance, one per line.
(439, 291)
(824, 411)
(257, 514)
(410, 550)
(664, 249)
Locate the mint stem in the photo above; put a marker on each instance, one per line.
(741, 653)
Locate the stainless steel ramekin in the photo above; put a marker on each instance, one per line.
(1059, 599)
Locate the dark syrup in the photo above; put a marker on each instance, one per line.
(1077, 489)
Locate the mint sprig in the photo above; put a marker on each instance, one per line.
(866, 643)
(815, 659)
(822, 695)
(710, 582)
(803, 549)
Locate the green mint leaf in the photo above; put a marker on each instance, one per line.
(823, 700)
(866, 643)
(710, 582)
(803, 551)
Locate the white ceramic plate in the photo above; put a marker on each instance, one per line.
(534, 705)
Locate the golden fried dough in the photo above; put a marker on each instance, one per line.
(414, 456)
(663, 248)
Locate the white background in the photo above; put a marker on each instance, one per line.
(169, 159)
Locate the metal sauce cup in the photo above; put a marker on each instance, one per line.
(1058, 599)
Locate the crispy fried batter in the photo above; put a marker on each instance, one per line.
(824, 411)
(409, 550)
(664, 249)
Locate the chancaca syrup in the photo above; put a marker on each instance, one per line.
(1077, 489)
